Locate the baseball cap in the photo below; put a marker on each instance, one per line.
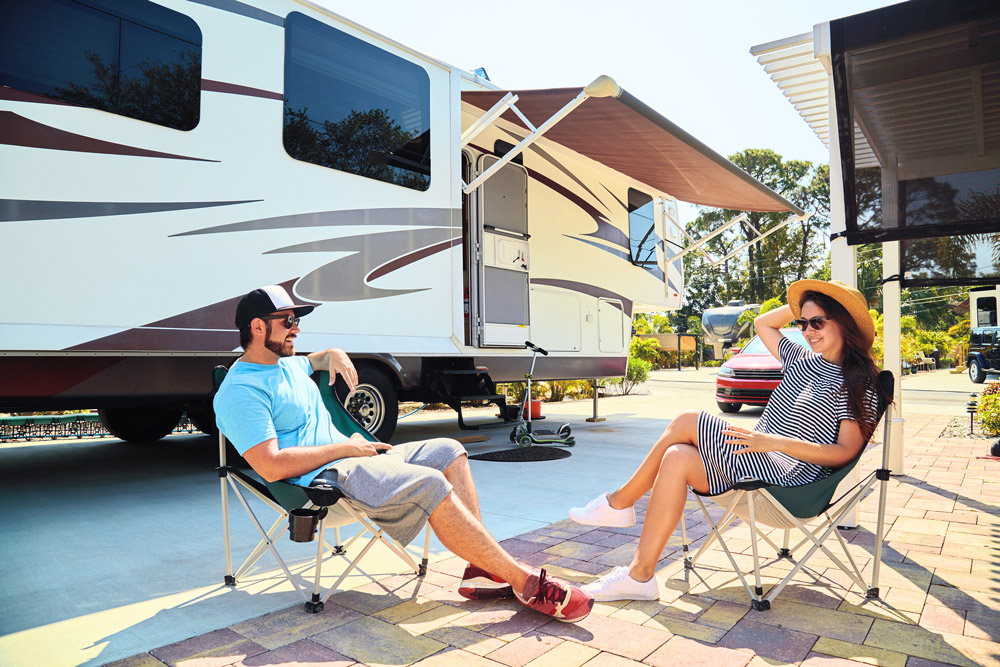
(264, 301)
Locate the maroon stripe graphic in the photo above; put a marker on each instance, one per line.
(17, 130)
(412, 257)
(233, 89)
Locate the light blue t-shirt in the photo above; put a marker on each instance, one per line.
(257, 402)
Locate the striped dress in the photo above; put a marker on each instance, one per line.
(807, 405)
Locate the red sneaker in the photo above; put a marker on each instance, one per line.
(556, 598)
(478, 584)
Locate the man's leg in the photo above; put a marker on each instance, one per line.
(465, 536)
(459, 474)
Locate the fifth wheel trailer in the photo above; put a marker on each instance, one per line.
(158, 160)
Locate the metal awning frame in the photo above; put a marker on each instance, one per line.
(602, 86)
(698, 244)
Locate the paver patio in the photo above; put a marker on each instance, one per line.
(940, 585)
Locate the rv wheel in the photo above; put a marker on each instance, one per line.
(140, 424)
(374, 404)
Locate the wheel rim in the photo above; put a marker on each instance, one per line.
(367, 406)
(973, 369)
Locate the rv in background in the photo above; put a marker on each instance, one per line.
(158, 160)
(720, 326)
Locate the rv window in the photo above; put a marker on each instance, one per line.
(128, 57)
(353, 107)
(986, 312)
(642, 236)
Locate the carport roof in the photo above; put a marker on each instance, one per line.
(627, 135)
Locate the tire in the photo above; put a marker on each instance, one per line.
(729, 408)
(140, 424)
(564, 431)
(524, 441)
(976, 372)
(374, 405)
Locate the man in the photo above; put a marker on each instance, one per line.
(272, 412)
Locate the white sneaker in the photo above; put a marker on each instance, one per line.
(599, 513)
(618, 585)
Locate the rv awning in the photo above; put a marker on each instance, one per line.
(626, 135)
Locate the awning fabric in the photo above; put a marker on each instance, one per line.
(628, 136)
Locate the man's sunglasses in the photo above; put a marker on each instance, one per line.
(288, 320)
(816, 323)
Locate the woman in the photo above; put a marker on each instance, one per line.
(819, 418)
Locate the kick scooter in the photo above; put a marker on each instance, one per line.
(523, 434)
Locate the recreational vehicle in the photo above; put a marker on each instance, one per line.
(159, 159)
(721, 327)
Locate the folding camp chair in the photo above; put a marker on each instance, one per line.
(334, 511)
(757, 502)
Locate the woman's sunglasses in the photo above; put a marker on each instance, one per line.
(288, 320)
(816, 323)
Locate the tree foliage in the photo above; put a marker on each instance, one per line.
(765, 268)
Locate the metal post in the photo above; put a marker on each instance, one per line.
(595, 418)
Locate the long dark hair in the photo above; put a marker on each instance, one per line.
(856, 363)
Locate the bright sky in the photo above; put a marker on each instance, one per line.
(688, 60)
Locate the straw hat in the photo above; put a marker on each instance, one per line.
(848, 297)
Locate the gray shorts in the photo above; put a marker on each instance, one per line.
(398, 490)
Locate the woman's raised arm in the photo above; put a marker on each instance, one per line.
(768, 327)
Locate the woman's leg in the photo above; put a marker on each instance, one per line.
(683, 429)
(680, 467)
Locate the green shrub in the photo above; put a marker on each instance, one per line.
(636, 373)
(988, 410)
(647, 349)
(712, 363)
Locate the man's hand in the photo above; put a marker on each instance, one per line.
(341, 363)
(365, 448)
(336, 361)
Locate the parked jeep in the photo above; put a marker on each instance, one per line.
(984, 352)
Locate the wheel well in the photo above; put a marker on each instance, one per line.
(383, 368)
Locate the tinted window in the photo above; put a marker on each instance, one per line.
(988, 337)
(976, 337)
(642, 238)
(351, 106)
(128, 57)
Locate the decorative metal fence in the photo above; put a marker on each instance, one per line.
(47, 427)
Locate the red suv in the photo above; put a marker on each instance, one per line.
(751, 375)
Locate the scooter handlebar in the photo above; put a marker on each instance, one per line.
(531, 346)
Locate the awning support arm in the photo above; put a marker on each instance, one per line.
(702, 241)
(487, 118)
(602, 86)
(761, 237)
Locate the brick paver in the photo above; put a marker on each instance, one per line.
(939, 595)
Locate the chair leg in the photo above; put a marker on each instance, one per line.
(785, 552)
(757, 603)
(688, 565)
(422, 569)
(314, 605)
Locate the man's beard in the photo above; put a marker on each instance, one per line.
(276, 346)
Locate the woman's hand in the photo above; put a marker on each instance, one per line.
(752, 441)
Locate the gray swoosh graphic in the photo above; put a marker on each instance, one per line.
(345, 279)
(617, 253)
(418, 217)
(30, 209)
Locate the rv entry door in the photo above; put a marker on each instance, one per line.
(504, 264)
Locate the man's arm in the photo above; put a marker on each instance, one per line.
(336, 361)
(273, 463)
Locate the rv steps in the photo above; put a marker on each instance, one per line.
(461, 386)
